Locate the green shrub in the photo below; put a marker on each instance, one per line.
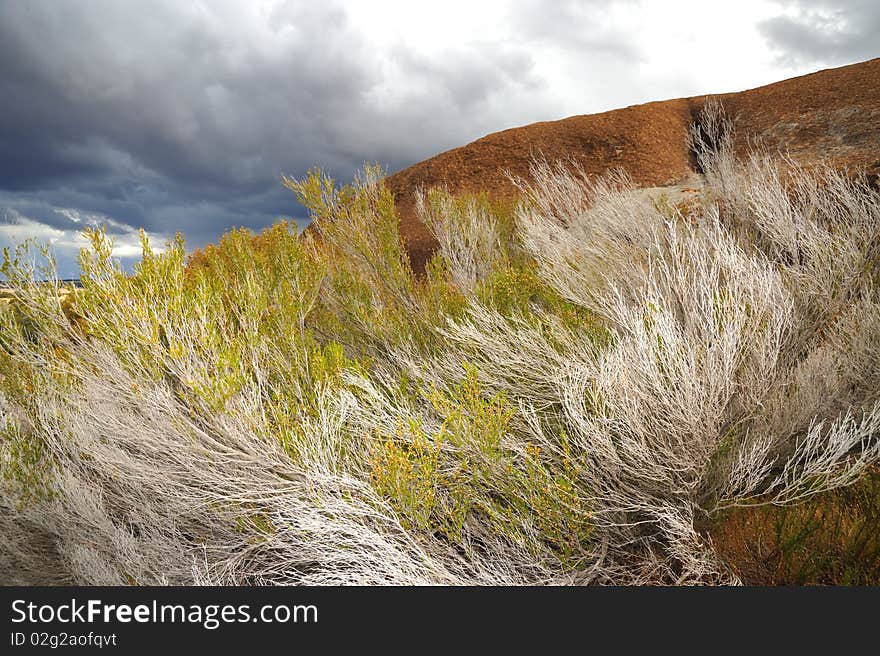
(583, 387)
(466, 471)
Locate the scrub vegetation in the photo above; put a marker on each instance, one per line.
(585, 386)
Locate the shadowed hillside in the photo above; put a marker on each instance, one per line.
(833, 114)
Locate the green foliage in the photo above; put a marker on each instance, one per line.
(463, 472)
(369, 291)
(438, 297)
(405, 470)
(516, 289)
(36, 363)
(25, 468)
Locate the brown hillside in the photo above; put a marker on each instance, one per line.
(833, 115)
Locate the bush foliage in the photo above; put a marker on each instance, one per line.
(585, 386)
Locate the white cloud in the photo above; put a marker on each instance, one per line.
(65, 243)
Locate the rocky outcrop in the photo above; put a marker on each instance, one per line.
(832, 115)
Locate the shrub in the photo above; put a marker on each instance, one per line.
(587, 385)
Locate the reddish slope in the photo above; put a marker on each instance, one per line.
(832, 114)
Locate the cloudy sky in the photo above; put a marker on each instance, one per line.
(182, 115)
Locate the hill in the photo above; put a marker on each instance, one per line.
(832, 115)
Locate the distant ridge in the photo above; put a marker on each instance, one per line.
(831, 115)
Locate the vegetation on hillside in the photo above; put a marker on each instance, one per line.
(587, 387)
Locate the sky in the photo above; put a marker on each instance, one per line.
(175, 115)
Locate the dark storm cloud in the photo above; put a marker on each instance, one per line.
(825, 32)
(182, 116)
(164, 104)
(173, 115)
